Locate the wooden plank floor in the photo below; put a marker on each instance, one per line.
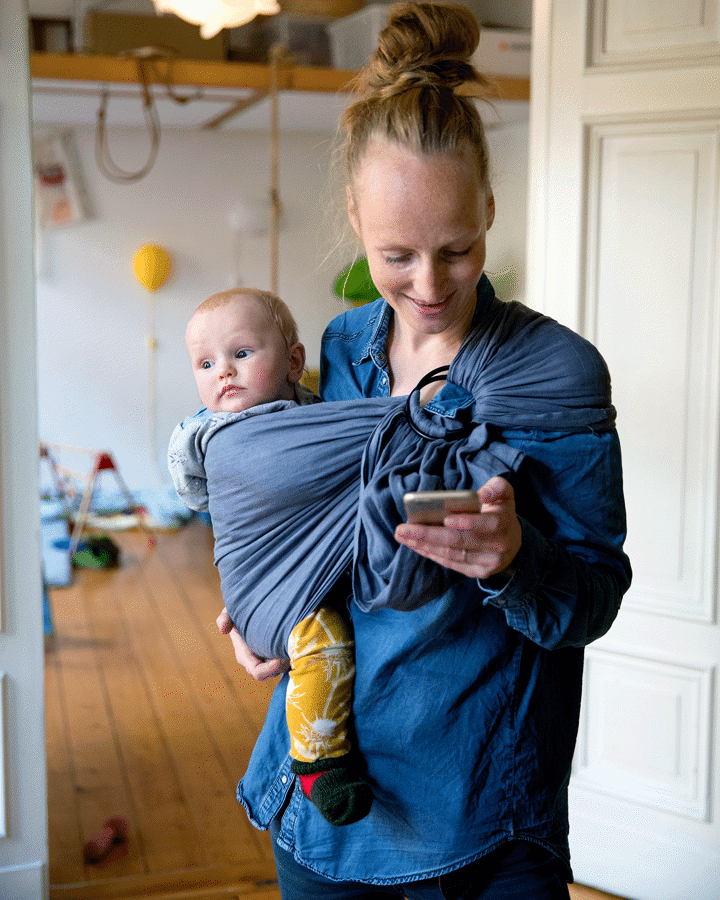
(148, 716)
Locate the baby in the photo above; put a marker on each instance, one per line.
(248, 361)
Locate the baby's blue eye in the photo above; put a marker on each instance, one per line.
(241, 354)
(206, 365)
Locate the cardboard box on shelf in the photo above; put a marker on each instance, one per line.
(501, 51)
(304, 37)
(51, 35)
(354, 38)
(112, 34)
(504, 51)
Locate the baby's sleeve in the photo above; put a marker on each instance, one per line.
(187, 464)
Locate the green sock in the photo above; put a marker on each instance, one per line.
(340, 796)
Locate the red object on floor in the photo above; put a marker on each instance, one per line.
(108, 843)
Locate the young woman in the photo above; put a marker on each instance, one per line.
(469, 658)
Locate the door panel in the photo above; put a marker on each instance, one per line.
(645, 732)
(624, 245)
(651, 268)
(638, 32)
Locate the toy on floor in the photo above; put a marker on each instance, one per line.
(97, 552)
(108, 843)
(102, 461)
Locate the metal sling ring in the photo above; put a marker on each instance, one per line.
(438, 374)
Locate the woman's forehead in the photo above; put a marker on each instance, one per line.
(390, 171)
(397, 189)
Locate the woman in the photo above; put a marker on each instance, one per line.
(466, 707)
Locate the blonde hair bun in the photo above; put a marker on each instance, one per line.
(423, 45)
(415, 89)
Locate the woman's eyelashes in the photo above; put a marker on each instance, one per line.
(448, 254)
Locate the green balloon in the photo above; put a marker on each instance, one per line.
(355, 284)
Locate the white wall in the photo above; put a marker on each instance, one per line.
(507, 237)
(92, 313)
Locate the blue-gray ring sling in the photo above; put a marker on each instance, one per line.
(299, 495)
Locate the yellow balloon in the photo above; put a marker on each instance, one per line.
(151, 266)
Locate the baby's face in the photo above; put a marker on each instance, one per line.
(239, 357)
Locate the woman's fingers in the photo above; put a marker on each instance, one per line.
(476, 544)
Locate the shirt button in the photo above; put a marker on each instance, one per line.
(284, 779)
(381, 357)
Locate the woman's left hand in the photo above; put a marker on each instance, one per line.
(475, 544)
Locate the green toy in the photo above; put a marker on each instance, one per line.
(355, 284)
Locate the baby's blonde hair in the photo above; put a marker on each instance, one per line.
(276, 308)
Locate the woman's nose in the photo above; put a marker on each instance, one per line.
(429, 281)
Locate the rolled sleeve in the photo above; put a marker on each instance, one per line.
(569, 577)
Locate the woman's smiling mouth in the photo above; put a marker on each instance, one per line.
(430, 309)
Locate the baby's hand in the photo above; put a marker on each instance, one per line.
(224, 622)
(257, 668)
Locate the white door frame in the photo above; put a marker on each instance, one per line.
(23, 793)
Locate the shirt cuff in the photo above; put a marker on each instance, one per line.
(514, 592)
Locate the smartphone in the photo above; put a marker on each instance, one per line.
(431, 507)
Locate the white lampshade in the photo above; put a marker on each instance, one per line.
(250, 217)
(214, 15)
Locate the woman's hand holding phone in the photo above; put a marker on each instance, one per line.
(476, 543)
(433, 507)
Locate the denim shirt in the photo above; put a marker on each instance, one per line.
(466, 710)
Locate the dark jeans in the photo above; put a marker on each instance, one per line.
(518, 870)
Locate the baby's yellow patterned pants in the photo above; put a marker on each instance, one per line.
(319, 696)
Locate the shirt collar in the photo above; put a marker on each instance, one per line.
(376, 346)
(378, 326)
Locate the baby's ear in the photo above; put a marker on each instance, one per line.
(296, 354)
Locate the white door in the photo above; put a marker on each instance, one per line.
(23, 817)
(624, 247)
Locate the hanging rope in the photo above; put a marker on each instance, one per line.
(152, 382)
(148, 72)
(105, 162)
(277, 52)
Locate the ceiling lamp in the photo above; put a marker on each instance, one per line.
(214, 15)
